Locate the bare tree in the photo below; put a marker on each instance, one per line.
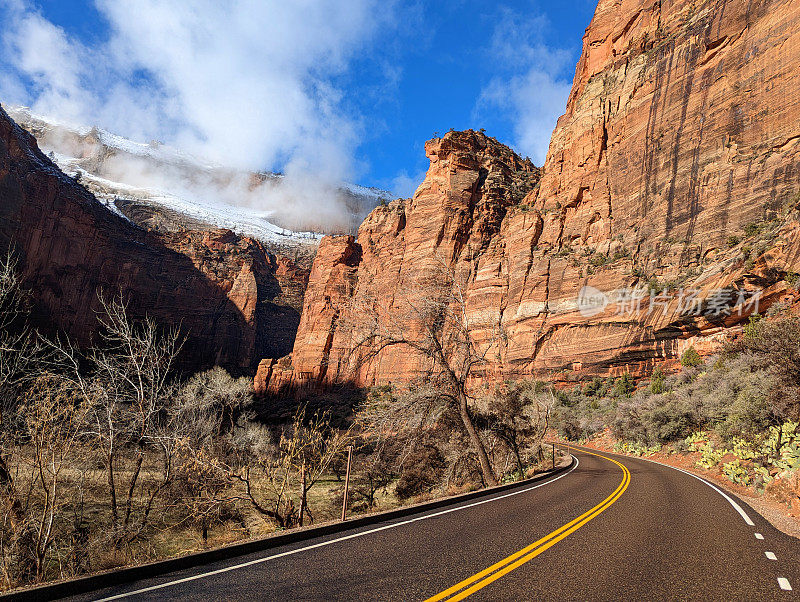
(374, 469)
(129, 393)
(519, 415)
(20, 353)
(52, 417)
(22, 356)
(208, 408)
(205, 483)
(430, 318)
(310, 446)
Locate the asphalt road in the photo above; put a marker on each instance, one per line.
(606, 530)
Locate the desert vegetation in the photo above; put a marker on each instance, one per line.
(738, 409)
(111, 455)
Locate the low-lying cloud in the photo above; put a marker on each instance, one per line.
(251, 84)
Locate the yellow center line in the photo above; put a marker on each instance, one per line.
(528, 553)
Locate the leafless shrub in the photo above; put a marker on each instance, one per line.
(518, 414)
(277, 478)
(206, 411)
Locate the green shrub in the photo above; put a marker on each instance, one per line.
(690, 358)
(624, 385)
(657, 382)
(696, 439)
(736, 473)
(783, 443)
(654, 419)
(748, 411)
(594, 387)
(578, 417)
(709, 457)
(743, 450)
(753, 229)
(733, 241)
(654, 285)
(735, 397)
(775, 347)
(636, 449)
(751, 328)
(598, 260)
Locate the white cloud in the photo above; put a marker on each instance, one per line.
(534, 101)
(532, 88)
(405, 185)
(250, 83)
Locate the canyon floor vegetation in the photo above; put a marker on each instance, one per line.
(111, 455)
(738, 410)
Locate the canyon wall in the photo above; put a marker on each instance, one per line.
(673, 176)
(236, 302)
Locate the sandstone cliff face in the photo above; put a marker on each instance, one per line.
(267, 290)
(676, 165)
(236, 302)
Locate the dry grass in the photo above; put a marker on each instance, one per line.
(170, 533)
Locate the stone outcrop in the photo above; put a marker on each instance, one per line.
(675, 168)
(236, 302)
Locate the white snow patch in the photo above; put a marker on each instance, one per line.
(240, 219)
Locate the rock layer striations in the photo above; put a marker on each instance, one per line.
(675, 170)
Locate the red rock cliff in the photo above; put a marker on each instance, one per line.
(236, 302)
(676, 164)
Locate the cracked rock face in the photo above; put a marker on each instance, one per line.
(676, 163)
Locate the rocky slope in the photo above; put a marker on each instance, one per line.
(236, 301)
(666, 206)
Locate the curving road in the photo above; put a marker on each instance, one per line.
(612, 528)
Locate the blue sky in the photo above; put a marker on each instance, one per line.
(351, 89)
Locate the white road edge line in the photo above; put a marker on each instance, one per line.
(332, 541)
(783, 582)
(731, 501)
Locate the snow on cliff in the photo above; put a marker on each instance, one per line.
(259, 205)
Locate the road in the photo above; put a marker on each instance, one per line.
(612, 528)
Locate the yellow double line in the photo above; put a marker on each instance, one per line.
(491, 574)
